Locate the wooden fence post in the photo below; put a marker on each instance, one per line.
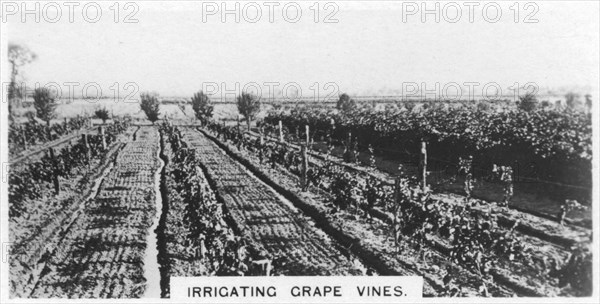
(54, 172)
(304, 167)
(423, 165)
(280, 131)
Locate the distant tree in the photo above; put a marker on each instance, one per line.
(150, 105)
(202, 106)
(409, 106)
(484, 106)
(545, 104)
(18, 56)
(45, 106)
(558, 105)
(248, 105)
(528, 102)
(571, 100)
(588, 103)
(392, 107)
(103, 114)
(345, 103)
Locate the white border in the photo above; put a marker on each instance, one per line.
(4, 289)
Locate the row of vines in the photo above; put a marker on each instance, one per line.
(29, 181)
(554, 146)
(196, 230)
(22, 136)
(475, 239)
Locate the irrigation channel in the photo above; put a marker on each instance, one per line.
(151, 260)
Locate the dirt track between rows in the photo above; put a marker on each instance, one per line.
(102, 253)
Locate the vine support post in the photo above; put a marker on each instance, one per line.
(562, 215)
(349, 141)
(178, 139)
(261, 145)
(54, 172)
(49, 129)
(304, 167)
(396, 211)
(24, 138)
(102, 137)
(307, 136)
(280, 132)
(330, 131)
(87, 147)
(262, 137)
(423, 165)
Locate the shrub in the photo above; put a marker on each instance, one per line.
(150, 105)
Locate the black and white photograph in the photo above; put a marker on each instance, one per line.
(299, 151)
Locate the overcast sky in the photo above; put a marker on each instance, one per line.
(369, 50)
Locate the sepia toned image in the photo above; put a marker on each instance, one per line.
(307, 151)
